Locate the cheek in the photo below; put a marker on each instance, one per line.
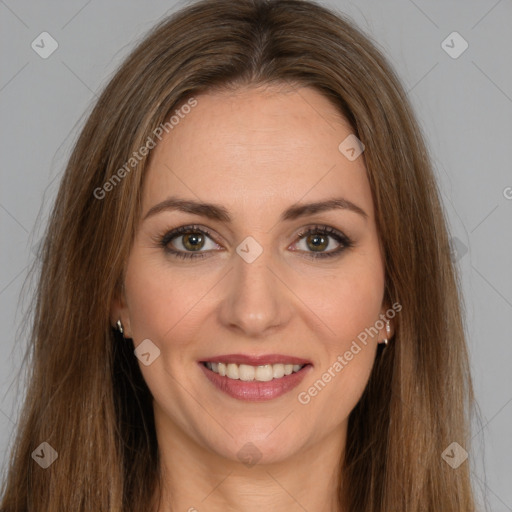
(356, 304)
(349, 307)
(346, 301)
(159, 302)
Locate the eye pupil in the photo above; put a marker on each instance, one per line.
(193, 241)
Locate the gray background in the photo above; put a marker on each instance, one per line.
(464, 105)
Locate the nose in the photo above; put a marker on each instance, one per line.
(257, 299)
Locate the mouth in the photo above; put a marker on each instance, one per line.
(255, 378)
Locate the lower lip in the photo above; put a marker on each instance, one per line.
(256, 391)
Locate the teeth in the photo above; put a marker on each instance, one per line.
(248, 373)
(232, 371)
(264, 373)
(278, 371)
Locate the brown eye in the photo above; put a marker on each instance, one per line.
(317, 242)
(193, 241)
(188, 242)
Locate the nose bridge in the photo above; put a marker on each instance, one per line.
(255, 300)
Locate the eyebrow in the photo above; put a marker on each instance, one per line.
(218, 212)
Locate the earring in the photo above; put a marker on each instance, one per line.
(388, 332)
(120, 326)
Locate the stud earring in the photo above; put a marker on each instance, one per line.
(120, 326)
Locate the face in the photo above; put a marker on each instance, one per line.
(256, 278)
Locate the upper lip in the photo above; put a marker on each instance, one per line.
(256, 360)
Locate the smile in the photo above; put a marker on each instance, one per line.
(254, 383)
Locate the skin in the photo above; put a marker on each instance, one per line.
(256, 152)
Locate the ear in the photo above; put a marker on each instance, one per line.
(119, 311)
(384, 333)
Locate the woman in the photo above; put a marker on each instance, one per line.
(246, 297)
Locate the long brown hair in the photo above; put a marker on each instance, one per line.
(86, 396)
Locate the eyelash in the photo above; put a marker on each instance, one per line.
(163, 241)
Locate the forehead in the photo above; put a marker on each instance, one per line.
(255, 146)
